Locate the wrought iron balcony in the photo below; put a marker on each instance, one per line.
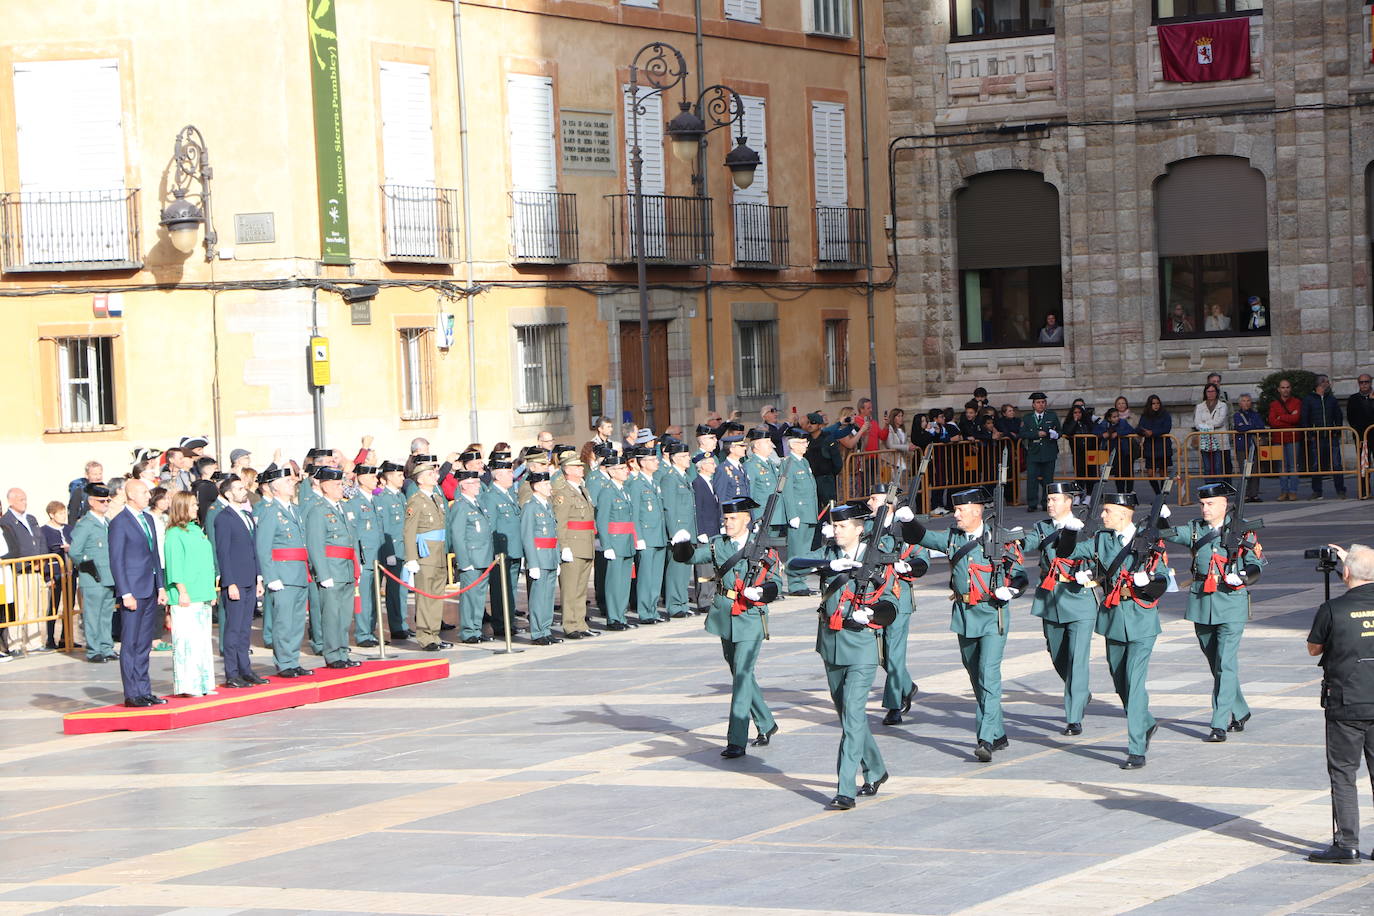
(677, 230)
(841, 238)
(543, 227)
(760, 236)
(419, 224)
(69, 230)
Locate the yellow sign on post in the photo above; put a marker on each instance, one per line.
(319, 361)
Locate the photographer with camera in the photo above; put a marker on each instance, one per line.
(1338, 636)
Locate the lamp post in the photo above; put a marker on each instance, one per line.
(659, 67)
(181, 218)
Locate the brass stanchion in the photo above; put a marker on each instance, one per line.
(505, 605)
(380, 606)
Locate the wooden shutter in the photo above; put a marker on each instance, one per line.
(1007, 219)
(1211, 205)
(650, 141)
(744, 10)
(829, 161)
(70, 132)
(533, 152)
(756, 134)
(407, 124)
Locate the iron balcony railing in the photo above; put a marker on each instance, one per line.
(677, 230)
(760, 236)
(841, 238)
(543, 226)
(70, 230)
(418, 224)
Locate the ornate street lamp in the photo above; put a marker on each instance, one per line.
(181, 218)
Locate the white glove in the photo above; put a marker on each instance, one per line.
(274, 586)
(1164, 512)
(534, 572)
(1002, 593)
(1234, 580)
(904, 514)
(753, 593)
(326, 583)
(1054, 434)
(1141, 578)
(412, 566)
(794, 523)
(862, 616)
(567, 555)
(639, 545)
(1082, 577)
(841, 564)
(702, 538)
(681, 536)
(901, 567)
(827, 530)
(608, 553)
(391, 560)
(1071, 522)
(467, 569)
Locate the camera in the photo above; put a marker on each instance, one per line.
(1321, 554)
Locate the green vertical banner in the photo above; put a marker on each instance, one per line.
(329, 143)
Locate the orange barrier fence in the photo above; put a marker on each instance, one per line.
(1366, 459)
(862, 470)
(34, 591)
(1149, 459)
(1323, 455)
(953, 466)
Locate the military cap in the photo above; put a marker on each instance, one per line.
(272, 474)
(190, 442)
(499, 464)
(1064, 488)
(539, 455)
(323, 474)
(572, 460)
(1220, 488)
(847, 512)
(467, 475)
(674, 447)
(223, 475)
(318, 453)
(702, 456)
(365, 469)
(756, 434)
(469, 455)
(613, 460)
(537, 477)
(704, 430)
(731, 439)
(1039, 396)
(97, 491)
(603, 450)
(424, 463)
(146, 454)
(977, 495)
(1128, 500)
(796, 432)
(738, 504)
(389, 466)
(499, 454)
(815, 417)
(562, 447)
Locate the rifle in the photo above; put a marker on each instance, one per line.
(757, 552)
(913, 486)
(1146, 542)
(873, 558)
(996, 539)
(1095, 504)
(1236, 526)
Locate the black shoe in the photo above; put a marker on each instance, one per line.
(545, 641)
(442, 644)
(590, 632)
(648, 621)
(870, 789)
(398, 635)
(616, 626)
(111, 656)
(155, 701)
(470, 641)
(842, 803)
(1072, 729)
(1150, 734)
(51, 645)
(1336, 855)
(681, 615)
(983, 752)
(1000, 744)
(1134, 762)
(288, 672)
(765, 737)
(906, 701)
(1215, 736)
(893, 717)
(445, 627)
(732, 751)
(367, 643)
(304, 672)
(236, 682)
(98, 660)
(135, 702)
(343, 663)
(804, 593)
(255, 681)
(1238, 725)
(486, 638)
(575, 634)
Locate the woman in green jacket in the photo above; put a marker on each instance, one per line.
(190, 565)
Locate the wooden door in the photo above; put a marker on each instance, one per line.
(632, 375)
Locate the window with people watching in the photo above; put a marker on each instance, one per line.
(975, 19)
(1182, 10)
(1211, 219)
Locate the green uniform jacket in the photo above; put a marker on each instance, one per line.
(763, 480)
(1064, 601)
(1227, 604)
(595, 481)
(280, 527)
(390, 506)
(1040, 448)
(210, 515)
(366, 517)
(971, 620)
(679, 502)
(1129, 620)
(469, 534)
(613, 506)
(844, 646)
(503, 509)
(650, 526)
(327, 525)
(537, 520)
(90, 551)
(719, 620)
(799, 491)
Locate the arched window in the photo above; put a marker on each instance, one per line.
(1009, 280)
(1212, 227)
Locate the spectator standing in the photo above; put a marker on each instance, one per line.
(1052, 334)
(1246, 420)
(898, 443)
(1116, 434)
(57, 536)
(1214, 378)
(1009, 423)
(1285, 415)
(1080, 424)
(1156, 448)
(76, 502)
(179, 475)
(190, 577)
(1359, 412)
(1321, 409)
(1209, 417)
(872, 435)
(28, 541)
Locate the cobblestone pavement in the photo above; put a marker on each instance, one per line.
(586, 778)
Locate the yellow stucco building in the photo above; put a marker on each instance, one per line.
(484, 195)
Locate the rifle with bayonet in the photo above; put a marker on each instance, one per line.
(874, 559)
(1237, 527)
(998, 541)
(1100, 491)
(758, 556)
(1146, 545)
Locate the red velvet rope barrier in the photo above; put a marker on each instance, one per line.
(451, 595)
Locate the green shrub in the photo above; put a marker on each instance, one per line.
(1303, 382)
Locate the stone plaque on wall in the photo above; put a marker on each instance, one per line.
(588, 141)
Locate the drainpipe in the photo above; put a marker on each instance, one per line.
(868, 212)
(701, 170)
(466, 229)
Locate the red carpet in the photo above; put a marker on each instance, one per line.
(280, 693)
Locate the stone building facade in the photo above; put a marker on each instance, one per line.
(1161, 188)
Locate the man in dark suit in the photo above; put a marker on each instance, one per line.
(27, 533)
(139, 586)
(709, 522)
(240, 581)
(25, 537)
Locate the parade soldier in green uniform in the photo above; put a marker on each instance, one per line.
(1066, 608)
(615, 529)
(539, 547)
(680, 517)
(651, 535)
(799, 506)
(332, 544)
(426, 546)
(499, 502)
(981, 612)
(1040, 430)
(1219, 601)
(470, 538)
(390, 506)
(1128, 618)
(307, 494)
(364, 511)
(280, 542)
(737, 617)
(848, 644)
(90, 552)
(537, 461)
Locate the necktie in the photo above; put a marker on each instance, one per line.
(147, 531)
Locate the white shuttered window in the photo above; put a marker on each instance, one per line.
(753, 229)
(744, 10)
(533, 165)
(831, 173)
(412, 211)
(653, 176)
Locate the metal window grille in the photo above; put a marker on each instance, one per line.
(69, 230)
(835, 367)
(420, 223)
(540, 358)
(85, 382)
(543, 227)
(758, 358)
(417, 373)
(831, 17)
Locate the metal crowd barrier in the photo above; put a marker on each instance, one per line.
(33, 591)
(1366, 459)
(864, 469)
(953, 466)
(1311, 453)
(1149, 459)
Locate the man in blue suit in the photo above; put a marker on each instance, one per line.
(710, 522)
(138, 583)
(240, 581)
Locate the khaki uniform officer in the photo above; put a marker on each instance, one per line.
(426, 545)
(576, 516)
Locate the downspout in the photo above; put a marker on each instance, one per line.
(868, 212)
(465, 232)
(701, 170)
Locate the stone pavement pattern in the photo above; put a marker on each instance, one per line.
(586, 778)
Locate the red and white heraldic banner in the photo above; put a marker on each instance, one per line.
(1205, 52)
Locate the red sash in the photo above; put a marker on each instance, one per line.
(546, 543)
(581, 526)
(620, 528)
(339, 552)
(293, 555)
